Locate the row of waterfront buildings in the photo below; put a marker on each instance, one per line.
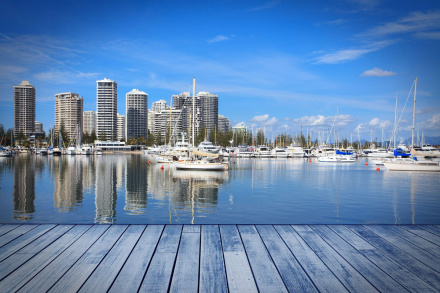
(107, 124)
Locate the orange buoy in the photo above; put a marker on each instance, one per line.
(310, 160)
(161, 167)
(149, 162)
(366, 164)
(377, 169)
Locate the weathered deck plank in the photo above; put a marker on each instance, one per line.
(265, 272)
(319, 273)
(401, 257)
(295, 279)
(102, 278)
(238, 270)
(399, 273)
(363, 265)
(351, 278)
(407, 246)
(218, 258)
(133, 272)
(212, 268)
(51, 273)
(186, 271)
(160, 271)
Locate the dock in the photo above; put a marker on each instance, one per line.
(219, 258)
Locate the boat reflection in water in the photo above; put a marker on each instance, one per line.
(195, 192)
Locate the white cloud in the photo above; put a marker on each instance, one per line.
(261, 118)
(432, 123)
(351, 54)
(377, 72)
(320, 121)
(63, 77)
(377, 123)
(240, 124)
(271, 122)
(218, 38)
(416, 22)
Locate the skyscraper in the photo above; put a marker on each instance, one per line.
(89, 122)
(137, 114)
(24, 109)
(106, 109)
(120, 127)
(209, 105)
(69, 112)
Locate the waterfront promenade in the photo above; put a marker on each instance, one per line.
(219, 258)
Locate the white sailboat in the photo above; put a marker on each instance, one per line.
(209, 162)
(412, 164)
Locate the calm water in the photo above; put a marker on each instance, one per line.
(125, 189)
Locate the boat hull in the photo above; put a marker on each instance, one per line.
(412, 167)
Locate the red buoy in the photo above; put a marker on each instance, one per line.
(310, 160)
(377, 169)
(366, 164)
(149, 162)
(161, 168)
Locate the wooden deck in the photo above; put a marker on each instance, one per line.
(219, 258)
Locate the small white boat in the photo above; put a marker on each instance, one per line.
(412, 165)
(208, 147)
(263, 152)
(280, 152)
(202, 165)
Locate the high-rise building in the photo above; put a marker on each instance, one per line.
(162, 123)
(137, 114)
(159, 106)
(38, 127)
(24, 109)
(69, 112)
(89, 122)
(209, 105)
(120, 127)
(223, 123)
(106, 109)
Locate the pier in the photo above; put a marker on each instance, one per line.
(219, 258)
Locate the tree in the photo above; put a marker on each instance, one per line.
(150, 138)
(64, 135)
(92, 136)
(261, 138)
(141, 140)
(21, 137)
(102, 136)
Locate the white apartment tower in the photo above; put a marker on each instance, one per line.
(69, 112)
(120, 128)
(24, 109)
(106, 108)
(137, 114)
(209, 105)
(159, 106)
(89, 122)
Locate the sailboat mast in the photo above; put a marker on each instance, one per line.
(414, 114)
(193, 108)
(395, 124)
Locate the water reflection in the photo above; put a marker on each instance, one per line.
(68, 183)
(125, 189)
(105, 192)
(136, 185)
(197, 191)
(24, 188)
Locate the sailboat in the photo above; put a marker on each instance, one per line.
(407, 164)
(208, 162)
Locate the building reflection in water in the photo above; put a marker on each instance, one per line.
(24, 188)
(105, 192)
(136, 186)
(68, 181)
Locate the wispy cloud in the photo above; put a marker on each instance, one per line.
(267, 5)
(218, 38)
(420, 23)
(321, 122)
(64, 77)
(351, 54)
(378, 72)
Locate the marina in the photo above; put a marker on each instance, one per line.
(219, 258)
(126, 189)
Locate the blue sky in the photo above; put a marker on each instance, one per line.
(273, 64)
